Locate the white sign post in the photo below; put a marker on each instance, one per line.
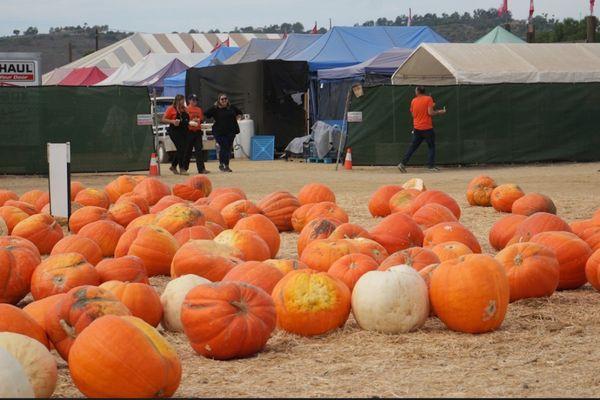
(59, 179)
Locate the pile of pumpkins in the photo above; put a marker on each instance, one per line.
(94, 305)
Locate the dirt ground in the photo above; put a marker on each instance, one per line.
(546, 347)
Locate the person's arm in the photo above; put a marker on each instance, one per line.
(433, 112)
(169, 117)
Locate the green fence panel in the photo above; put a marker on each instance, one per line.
(506, 123)
(100, 123)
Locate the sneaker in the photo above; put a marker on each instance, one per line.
(204, 171)
(433, 169)
(227, 169)
(174, 170)
(184, 172)
(222, 168)
(402, 168)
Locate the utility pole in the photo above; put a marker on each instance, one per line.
(96, 38)
(329, 23)
(70, 52)
(592, 23)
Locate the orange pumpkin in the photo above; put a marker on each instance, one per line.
(451, 250)
(315, 193)
(504, 229)
(451, 232)
(17, 263)
(397, 231)
(76, 187)
(505, 195)
(31, 196)
(211, 215)
(470, 293)
(79, 244)
(86, 215)
(193, 188)
(596, 217)
(12, 216)
(125, 269)
(214, 228)
(152, 190)
(279, 207)
(41, 230)
(223, 200)
(205, 258)
(370, 248)
(220, 191)
(532, 270)
(179, 216)
(402, 201)
(322, 253)
(326, 210)
(237, 210)
(118, 187)
(532, 203)
(432, 214)
(579, 226)
(262, 226)
(299, 217)
(351, 267)
(571, 252)
(536, 223)
(137, 199)
(252, 246)
(155, 246)
(193, 233)
(592, 270)
(27, 208)
(124, 212)
(415, 257)
(318, 228)
(12, 241)
(143, 220)
(13, 319)
(141, 299)
(166, 202)
(228, 319)
(42, 201)
(311, 303)
(349, 231)
(71, 315)
(105, 233)
(37, 309)
(140, 362)
(259, 274)
(438, 197)
(479, 191)
(93, 197)
(7, 195)
(60, 273)
(592, 237)
(286, 265)
(379, 203)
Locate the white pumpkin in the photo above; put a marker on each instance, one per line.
(39, 364)
(13, 379)
(172, 299)
(3, 227)
(392, 301)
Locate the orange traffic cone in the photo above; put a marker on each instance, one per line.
(154, 169)
(348, 160)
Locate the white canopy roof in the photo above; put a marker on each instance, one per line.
(152, 63)
(469, 63)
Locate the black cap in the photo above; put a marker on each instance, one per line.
(192, 97)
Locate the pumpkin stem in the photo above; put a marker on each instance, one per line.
(69, 330)
(240, 305)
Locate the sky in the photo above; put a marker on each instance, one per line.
(182, 15)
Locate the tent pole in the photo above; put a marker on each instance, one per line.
(344, 127)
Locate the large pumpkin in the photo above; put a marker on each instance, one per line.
(140, 298)
(86, 215)
(31, 196)
(259, 274)
(76, 187)
(166, 202)
(194, 188)
(60, 273)
(124, 269)
(39, 364)
(70, 316)
(505, 195)
(536, 223)
(179, 216)
(592, 237)
(211, 214)
(532, 270)
(13, 319)
(451, 250)
(155, 246)
(438, 197)
(315, 193)
(279, 207)
(351, 267)
(223, 200)
(479, 191)
(152, 190)
(286, 265)
(38, 309)
(394, 301)
(124, 357)
(396, 232)
(349, 231)
(432, 214)
(93, 197)
(17, 263)
(105, 233)
(579, 226)
(262, 226)
(571, 252)
(124, 212)
(12, 216)
(79, 244)
(205, 258)
(14, 382)
(451, 232)
(326, 210)
(379, 203)
(219, 191)
(137, 199)
(299, 217)
(318, 228)
(592, 270)
(504, 230)
(252, 246)
(228, 319)
(117, 187)
(320, 254)
(311, 303)
(27, 208)
(41, 230)
(143, 220)
(193, 233)
(532, 203)
(237, 210)
(6, 195)
(370, 248)
(415, 257)
(470, 294)
(172, 299)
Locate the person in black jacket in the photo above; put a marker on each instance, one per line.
(178, 119)
(225, 128)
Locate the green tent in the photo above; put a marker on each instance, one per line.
(500, 35)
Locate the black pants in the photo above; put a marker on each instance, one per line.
(225, 146)
(418, 137)
(178, 139)
(194, 146)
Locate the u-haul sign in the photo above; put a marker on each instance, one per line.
(21, 69)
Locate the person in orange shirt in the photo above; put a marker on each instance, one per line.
(194, 136)
(422, 109)
(178, 119)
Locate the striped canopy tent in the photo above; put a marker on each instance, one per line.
(86, 76)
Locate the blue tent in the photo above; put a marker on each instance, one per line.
(175, 84)
(293, 44)
(344, 46)
(384, 64)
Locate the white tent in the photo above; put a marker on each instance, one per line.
(152, 63)
(468, 63)
(116, 76)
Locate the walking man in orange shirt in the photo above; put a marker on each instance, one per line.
(422, 109)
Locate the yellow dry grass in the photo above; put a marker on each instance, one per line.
(546, 347)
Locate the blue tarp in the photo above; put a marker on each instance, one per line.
(293, 44)
(385, 63)
(344, 46)
(176, 84)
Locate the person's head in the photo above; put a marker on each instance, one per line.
(222, 101)
(179, 101)
(420, 90)
(193, 100)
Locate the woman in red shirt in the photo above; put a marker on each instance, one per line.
(178, 119)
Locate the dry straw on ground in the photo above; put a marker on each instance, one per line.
(546, 347)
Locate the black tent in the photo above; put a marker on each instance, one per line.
(269, 90)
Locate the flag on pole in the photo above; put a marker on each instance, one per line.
(531, 10)
(503, 8)
(592, 2)
(409, 23)
(314, 29)
(285, 35)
